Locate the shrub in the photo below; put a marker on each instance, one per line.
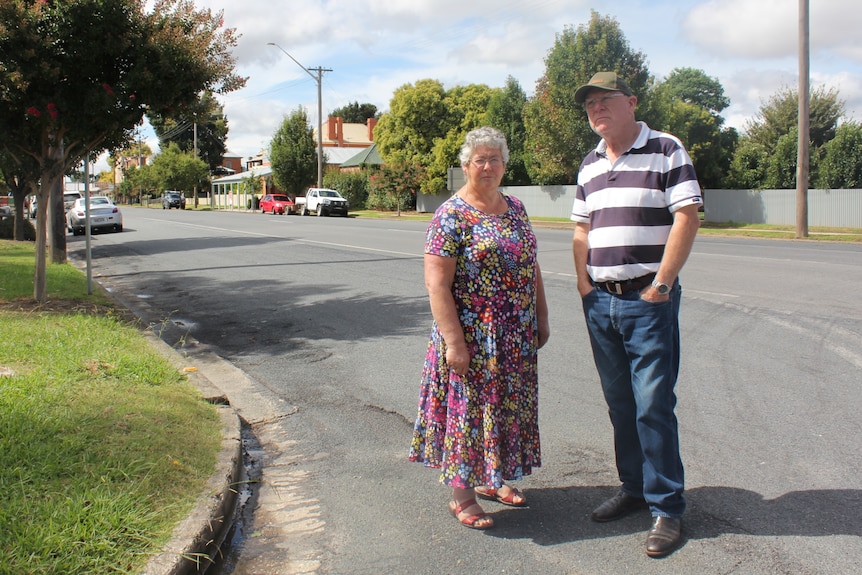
(352, 185)
(7, 229)
(394, 187)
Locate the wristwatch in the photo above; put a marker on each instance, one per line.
(662, 289)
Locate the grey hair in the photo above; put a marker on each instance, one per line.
(484, 136)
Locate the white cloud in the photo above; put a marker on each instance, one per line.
(375, 46)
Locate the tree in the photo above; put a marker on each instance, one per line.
(774, 131)
(506, 113)
(212, 128)
(394, 186)
(558, 133)
(780, 114)
(78, 76)
(693, 86)
(841, 166)
(687, 104)
(174, 169)
(356, 113)
(748, 166)
(466, 109)
(18, 175)
(418, 116)
(293, 154)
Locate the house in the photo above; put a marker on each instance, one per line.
(341, 135)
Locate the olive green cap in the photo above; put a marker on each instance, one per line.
(609, 81)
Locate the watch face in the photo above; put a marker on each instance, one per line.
(661, 288)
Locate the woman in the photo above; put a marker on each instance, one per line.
(478, 403)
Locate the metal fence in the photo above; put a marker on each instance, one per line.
(826, 208)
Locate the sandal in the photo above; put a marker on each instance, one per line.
(479, 521)
(491, 494)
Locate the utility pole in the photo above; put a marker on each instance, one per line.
(804, 127)
(319, 79)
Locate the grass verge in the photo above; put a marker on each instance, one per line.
(104, 445)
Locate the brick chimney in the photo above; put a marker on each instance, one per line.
(332, 128)
(372, 123)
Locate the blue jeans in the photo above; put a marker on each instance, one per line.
(636, 349)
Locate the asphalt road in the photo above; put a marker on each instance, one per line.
(328, 319)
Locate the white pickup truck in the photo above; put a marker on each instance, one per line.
(321, 201)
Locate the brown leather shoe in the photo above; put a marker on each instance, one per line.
(618, 506)
(664, 537)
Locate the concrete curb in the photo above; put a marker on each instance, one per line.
(197, 540)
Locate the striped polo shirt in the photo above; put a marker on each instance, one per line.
(629, 205)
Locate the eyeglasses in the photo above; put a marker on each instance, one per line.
(494, 162)
(604, 100)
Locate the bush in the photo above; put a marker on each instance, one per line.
(394, 184)
(7, 229)
(352, 185)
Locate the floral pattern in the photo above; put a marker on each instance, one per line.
(482, 429)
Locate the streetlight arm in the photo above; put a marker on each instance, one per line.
(319, 81)
(307, 71)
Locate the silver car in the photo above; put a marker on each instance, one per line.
(104, 215)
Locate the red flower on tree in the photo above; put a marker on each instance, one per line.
(107, 88)
(34, 111)
(52, 111)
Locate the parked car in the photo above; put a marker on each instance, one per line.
(277, 204)
(69, 199)
(104, 215)
(323, 202)
(173, 200)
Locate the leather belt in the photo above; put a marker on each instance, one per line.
(625, 286)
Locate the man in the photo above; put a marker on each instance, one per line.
(636, 215)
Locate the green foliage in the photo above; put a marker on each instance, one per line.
(89, 421)
(558, 133)
(780, 114)
(841, 166)
(773, 133)
(212, 129)
(506, 113)
(356, 113)
(293, 154)
(693, 86)
(7, 230)
(394, 186)
(687, 104)
(426, 126)
(467, 107)
(174, 169)
(417, 117)
(748, 167)
(78, 76)
(353, 185)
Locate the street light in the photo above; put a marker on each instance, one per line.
(319, 79)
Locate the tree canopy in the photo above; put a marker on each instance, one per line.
(77, 76)
(293, 154)
(558, 133)
(356, 113)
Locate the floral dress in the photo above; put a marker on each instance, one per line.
(483, 428)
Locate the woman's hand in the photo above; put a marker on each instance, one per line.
(544, 332)
(458, 358)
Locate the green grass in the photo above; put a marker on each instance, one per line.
(779, 232)
(104, 445)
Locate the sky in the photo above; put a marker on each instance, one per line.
(373, 47)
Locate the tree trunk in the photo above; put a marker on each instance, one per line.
(58, 223)
(40, 282)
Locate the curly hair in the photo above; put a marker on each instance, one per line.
(484, 136)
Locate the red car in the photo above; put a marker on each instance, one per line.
(277, 204)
